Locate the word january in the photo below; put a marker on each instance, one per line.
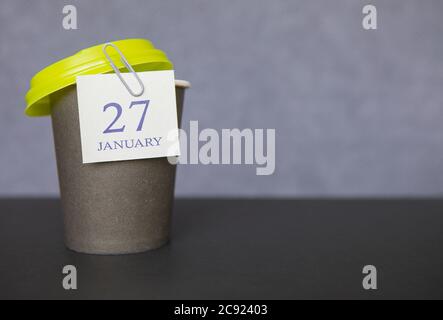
(129, 144)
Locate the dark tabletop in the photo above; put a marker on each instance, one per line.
(237, 249)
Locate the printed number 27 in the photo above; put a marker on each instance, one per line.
(119, 109)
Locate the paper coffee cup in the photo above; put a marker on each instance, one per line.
(108, 207)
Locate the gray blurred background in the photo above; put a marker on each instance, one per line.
(357, 113)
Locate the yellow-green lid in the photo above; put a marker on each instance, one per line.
(140, 53)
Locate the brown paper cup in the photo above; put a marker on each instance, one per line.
(110, 207)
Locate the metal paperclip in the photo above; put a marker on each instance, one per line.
(127, 65)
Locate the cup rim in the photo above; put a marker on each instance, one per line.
(182, 84)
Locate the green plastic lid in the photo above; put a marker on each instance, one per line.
(140, 53)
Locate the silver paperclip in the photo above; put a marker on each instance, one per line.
(127, 65)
